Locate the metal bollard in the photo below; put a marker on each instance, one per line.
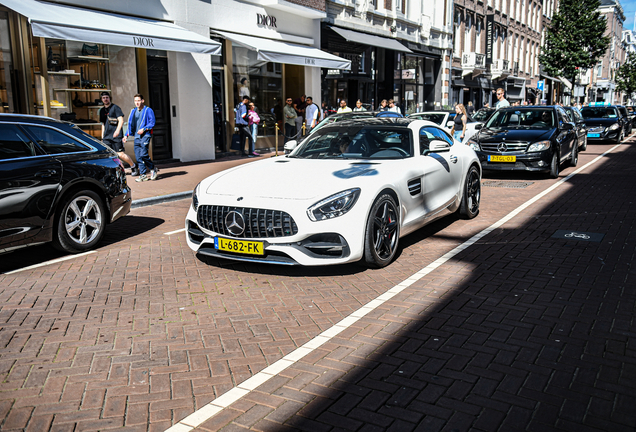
(304, 128)
(277, 129)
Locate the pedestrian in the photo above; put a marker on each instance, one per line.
(393, 107)
(253, 122)
(141, 121)
(299, 105)
(359, 106)
(290, 119)
(242, 121)
(312, 114)
(112, 119)
(383, 106)
(459, 123)
(343, 107)
(470, 109)
(325, 110)
(502, 102)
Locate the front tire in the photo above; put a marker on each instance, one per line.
(584, 146)
(619, 138)
(574, 157)
(469, 207)
(382, 232)
(554, 166)
(81, 223)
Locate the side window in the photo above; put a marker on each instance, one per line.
(429, 133)
(54, 142)
(14, 143)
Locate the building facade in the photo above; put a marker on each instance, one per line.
(399, 49)
(603, 75)
(191, 60)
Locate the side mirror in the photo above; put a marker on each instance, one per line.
(568, 126)
(290, 145)
(479, 126)
(437, 146)
(450, 124)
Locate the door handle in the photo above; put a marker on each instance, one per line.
(453, 159)
(45, 173)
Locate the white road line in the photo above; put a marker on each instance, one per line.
(225, 400)
(174, 232)
(50, 262)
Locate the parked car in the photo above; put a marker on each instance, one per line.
(483, 114)
(446, 119)
(366, 183)
(604, 122)
(581, 128)
(57, 184)
(631, 110)
(527, 138)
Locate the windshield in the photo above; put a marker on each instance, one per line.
(482, 115)
(599, 112)
(373, 142)
(522, 119)
(433, 117)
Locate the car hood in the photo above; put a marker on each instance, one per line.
(293, 179)
(514, 135)
(600, 121)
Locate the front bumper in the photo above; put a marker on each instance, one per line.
(535, 161)
(323, 244)
(600, 134)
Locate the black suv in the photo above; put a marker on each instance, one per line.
(527, 138)
(57, 183)
(605, 122)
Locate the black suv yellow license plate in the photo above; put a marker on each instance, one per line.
(239, 246)
(495, 158)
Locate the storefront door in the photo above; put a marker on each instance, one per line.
(159, 101)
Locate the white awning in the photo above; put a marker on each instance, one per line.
(289, 53)
(57, 21)
(566, 82)
(371, 40)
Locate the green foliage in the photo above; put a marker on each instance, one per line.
(626, 75)
(574, 39)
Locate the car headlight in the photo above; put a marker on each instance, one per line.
(473, 144)
(614, 126)
(539, 146)
(333, 206)
(195, 198)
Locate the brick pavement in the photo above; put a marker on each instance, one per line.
(523, 331)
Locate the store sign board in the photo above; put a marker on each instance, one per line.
(266, 20)
(490, 35)
(144, 42)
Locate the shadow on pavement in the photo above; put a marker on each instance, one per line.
(521, 332)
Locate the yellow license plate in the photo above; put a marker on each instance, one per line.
(502, 158)
(239, 246)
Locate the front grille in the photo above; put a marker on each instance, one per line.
(511, 147)
(259, 223)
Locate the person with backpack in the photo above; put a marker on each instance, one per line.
(243, 125)
(254, 120)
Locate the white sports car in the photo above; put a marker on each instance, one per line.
(347, 193)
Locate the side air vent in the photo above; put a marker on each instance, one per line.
(415, 186)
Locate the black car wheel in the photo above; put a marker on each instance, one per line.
(81, 222)
(469, 207)
(574, 157)
(382, 233)
(584, 146)
(554, 166)
(619, 137)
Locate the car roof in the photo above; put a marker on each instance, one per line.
(27, 118)
(378, 121)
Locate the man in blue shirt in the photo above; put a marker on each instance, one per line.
(140, 123)
(242, 123)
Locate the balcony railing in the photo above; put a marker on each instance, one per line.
(500, 68)
(474, 63)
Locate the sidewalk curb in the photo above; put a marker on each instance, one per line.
(145, 202)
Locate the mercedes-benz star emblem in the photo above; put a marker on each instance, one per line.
(502, 147)
(235, 223)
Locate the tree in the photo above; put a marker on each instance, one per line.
(574, 39)
(626, 76)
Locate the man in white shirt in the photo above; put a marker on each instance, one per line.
(312, 114)
(502, 102)
(343, 107)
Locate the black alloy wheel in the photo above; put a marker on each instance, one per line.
(469, 207)
(574, 157)
(382, 233)
(554, 166)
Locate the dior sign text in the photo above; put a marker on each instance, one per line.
(143, 42)
(266, 20)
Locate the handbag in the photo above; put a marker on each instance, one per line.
(90, 50)
(236, 142)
